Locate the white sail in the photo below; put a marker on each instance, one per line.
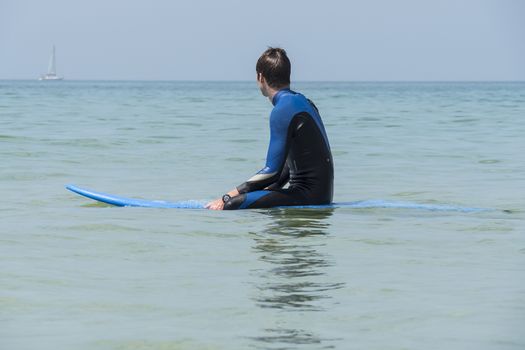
(51, 69)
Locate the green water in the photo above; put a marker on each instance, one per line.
(78, 275)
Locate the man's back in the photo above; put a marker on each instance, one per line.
(308, 154)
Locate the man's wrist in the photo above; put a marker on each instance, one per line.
(233, 193)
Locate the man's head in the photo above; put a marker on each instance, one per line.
(273, 70)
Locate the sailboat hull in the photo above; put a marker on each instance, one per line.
(50, 78)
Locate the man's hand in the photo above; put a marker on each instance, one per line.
(217, 204)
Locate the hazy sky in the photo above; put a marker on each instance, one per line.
(222, 39)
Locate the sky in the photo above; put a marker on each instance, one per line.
(331, 40)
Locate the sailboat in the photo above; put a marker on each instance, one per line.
(51, 69)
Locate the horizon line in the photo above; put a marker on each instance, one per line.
(296, 81)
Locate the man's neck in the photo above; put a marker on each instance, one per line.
(272, 92)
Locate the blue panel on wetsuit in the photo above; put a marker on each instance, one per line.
(252, 197)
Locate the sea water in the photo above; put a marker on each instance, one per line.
(75, 274)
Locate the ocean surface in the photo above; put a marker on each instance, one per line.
(79, 275)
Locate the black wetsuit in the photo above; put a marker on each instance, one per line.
(298, 154)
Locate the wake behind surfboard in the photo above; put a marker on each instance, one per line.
(193, 204)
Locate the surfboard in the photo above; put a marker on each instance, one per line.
(195, 204)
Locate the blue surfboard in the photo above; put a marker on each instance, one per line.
(194, 204)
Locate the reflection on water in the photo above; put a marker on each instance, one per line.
(294, 279)
(290, 337)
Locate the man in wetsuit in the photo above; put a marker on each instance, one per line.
(299, 153)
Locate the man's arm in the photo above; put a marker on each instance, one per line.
(218, 204)
(275, 158)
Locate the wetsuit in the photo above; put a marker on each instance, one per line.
(298, 154)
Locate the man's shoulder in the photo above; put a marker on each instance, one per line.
(291, 102)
